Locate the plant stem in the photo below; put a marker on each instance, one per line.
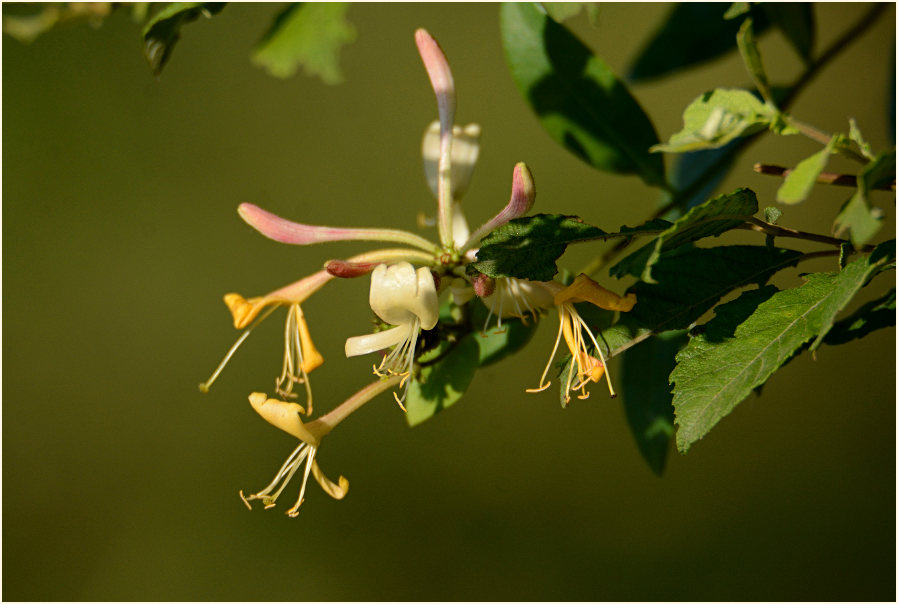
(756, 224)
(826, 178)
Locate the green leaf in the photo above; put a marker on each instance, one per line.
(718, 117)
(737, 9)
(647, 397)
(751, 56)
(500, 342)
(854, 134)
(690, 282)
(441, 384)
(527, 248)
(876, 314)
(772, 214)
(713, 217)
(163, 30)
(798, 183)
(692, 33)
(576, 96)
(749, 339)
(796, 21)
(857, 215)
(307, 34)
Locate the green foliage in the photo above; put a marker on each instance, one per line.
(527, 248)
(751, 56)
(163, 30)
(692, 33)
(714, 217)
(576, 96)
(445, 375)
(307, 34)
(499, 342)
(858, 216)
(562, 11)
(646, 395)
(874, 315)
(750, 338)
(798, 184)
(718, 117)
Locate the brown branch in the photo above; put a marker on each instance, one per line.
(826, 178)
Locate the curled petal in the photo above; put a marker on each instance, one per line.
(523, 194)
(337, 491)
(244, 311)
(584, 289)
(359, 345)
(282, 415)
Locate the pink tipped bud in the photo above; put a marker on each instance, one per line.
(523, 194)
(440, 75)
(349, 270)
(484, 286)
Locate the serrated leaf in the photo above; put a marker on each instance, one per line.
(692, 33)
(876, 314)
(441, 384)
(163, 30)
(798, 183)
(646, 395)
(796, 21)
(772, 214)
(854, 133)
(576, 96)
(713, 217)
(748, 340)
(310, 35)
(718, 117)
(751, 56)
(690, 282)
(857, 215)
(527, 248)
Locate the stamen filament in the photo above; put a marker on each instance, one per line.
(204, 387)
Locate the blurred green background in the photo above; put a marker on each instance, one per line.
(120, 235)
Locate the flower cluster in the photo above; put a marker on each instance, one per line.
(407, 283)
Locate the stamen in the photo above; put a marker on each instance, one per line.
(541, 387)
(204, 387)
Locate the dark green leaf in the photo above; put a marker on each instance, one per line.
(692, 33)
(858, 216)
(877, 314)
(715, 118)
(647, 397)
(749, 339)
(501, 341)
(798, 183)
(527, 248)
(711, 218)
(307, 34)
(163, 30)
(690, 282)
(576, 97)
(796, 21)
(440, 384)
(751, 56)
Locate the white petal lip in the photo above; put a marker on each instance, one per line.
(359, 345)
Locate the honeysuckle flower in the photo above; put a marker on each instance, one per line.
(286, 416)
(572, 326)
(407, 299)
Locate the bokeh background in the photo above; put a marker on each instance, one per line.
(120, 236)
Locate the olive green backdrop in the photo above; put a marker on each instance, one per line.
(120, 235)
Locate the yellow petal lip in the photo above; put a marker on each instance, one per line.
(337, 491)
(242, 310)
(584, 289)
(283, 415)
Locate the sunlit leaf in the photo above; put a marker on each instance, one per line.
(527, 248)
(718, 117)
(876, 314)
(798, 183)
(751, 56)
(445, 375)
(692, 33)
(858, 216)
(310, 35)
(713, 217)
(163, 30)
(690, 282)
(576, 96)
(749, 339)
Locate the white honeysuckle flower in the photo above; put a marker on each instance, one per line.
(406, 298)
(518, 298)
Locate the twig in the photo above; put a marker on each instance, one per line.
(826, 178)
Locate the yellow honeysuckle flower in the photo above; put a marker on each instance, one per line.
(572, 326)
(286, 416)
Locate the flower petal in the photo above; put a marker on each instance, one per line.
(337, 491)
(584, 289)
(283, 415)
